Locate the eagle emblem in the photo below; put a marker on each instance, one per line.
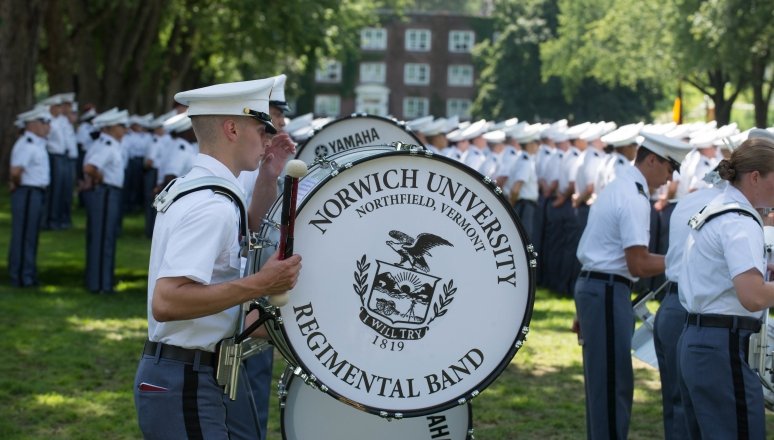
(413, 251)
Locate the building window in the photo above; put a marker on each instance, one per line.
(414, 107)
(460, 75)
(416, 74)
(373, 73)
(461, 41)
(418, 40)
(329, 71)
(373, 38)
(327, 105)
(458, 107)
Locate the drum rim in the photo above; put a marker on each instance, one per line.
(288, 377)
(515, 345)
(394, 122)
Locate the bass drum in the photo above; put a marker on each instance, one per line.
(268, 236)
(417, 287)
(307, 413)
(355, 131)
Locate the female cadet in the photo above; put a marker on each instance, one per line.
(722, 288)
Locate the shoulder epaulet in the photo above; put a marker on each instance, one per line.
(620, 161)
(182, 147)
(596, 153)
(29, 140)
(641, 190)
(512, 152)
(524, 156)
(108, 142)
(575, 153)
(155, 139)
(546, 151)
(712, 211)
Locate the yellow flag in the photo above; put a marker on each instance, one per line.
(677, 111)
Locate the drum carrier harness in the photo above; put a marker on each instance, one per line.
(230, 351)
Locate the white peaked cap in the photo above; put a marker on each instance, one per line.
(506, 125)
(681, 131)
(110, 118)
(527, 133)
(474, 130)
(436, 127)
(52, 100)
(38, 112)
(159, 121)
(576, 131)
(623, 136)
(668, 148)
(178, 123)
(277, 97)
(595, 131)
(703, 138)
(243, 98)
(299, 122)
(66, 97)
(419, 124)
(495, 136)
(452, 123)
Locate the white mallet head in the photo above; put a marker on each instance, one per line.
(283, 298)
(295, 168)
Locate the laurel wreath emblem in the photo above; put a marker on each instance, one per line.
(361, 278)
(445, 299)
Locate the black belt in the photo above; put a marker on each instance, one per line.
(609, 277)
(111, 186)
(38, 188)
(725, 321)
(672, 288)
(175, 353)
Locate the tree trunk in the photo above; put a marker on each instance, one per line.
(761, 97)
(57, 56)
(20, 22)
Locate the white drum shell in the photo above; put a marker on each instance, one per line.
(306, 413)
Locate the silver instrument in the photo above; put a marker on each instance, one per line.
(761, 350)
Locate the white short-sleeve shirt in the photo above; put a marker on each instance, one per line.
(107, 156)
(524, 170)
(619, 219)
(679, 230)
(197, 238)
(29, 153)
(726, 246)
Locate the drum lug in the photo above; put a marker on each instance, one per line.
(461, 401)
(533, 263)
(474, 394)
(518, 344)
(525, 330)
(498, 190)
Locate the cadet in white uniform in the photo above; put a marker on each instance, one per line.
(522, 182)
(671, 315)
(722, 286)
(104, 165)
(613, 252)
(194, 290)
(29, 178)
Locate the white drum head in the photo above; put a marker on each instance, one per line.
(417, 284)
(355, 131)
(307, 413)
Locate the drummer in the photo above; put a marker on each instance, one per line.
(613, 252)
(194, 290)
(723, 289)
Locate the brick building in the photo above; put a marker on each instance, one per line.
(407, 67)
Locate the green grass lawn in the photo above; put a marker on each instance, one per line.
(71, 356)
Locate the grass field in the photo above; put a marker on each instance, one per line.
(71, 356)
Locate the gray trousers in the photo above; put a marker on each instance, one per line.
(668, 326)
(606, 322)
(103, 218)
(26, 211)
(722, 396)
(55, 199)
(526, 210)
(176, 400)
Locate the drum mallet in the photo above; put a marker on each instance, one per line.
(294, 170)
